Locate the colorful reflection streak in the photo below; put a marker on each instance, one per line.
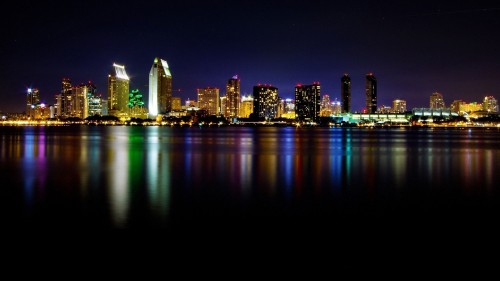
(135, 177)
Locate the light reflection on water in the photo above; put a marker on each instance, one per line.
(146, 176)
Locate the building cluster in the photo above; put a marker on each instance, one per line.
(308, 106)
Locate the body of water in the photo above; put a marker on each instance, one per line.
(247, 182)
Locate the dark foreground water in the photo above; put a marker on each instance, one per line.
(309, 185)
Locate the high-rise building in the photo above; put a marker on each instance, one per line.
(371, 93)
(490, 104)
(457, 106)
(325, 106)
(95, 105)
(345, 89)
(64, 102)
(246, 106)
(118, 91)
(288, 109)
(208, 99)
(136, 104)
(79, 101)
(436, 101)
(160, 88)
(32, 100)
(336, 107)
(233, 97)
(176, 104)
(307, 102)
(265, 101)
(223, 106)
(399, 106)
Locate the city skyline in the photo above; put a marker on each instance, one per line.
(414, 50)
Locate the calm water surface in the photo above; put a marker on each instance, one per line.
(248, 180)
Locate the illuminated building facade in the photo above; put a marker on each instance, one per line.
(233, 97)
(176, 104)
(64, 99)
(288, 109)
(79, 102)
(32, 101)
(136, 104)
(160, 88)
(246, 106)
(457, 105)
(307, 102)
(95, 105)
(398, 106)
(371, 93)
(223, 106)
(325, 107)
(208, 99)
(436, 101)
(470, 107)
(118, 91)
(345, 90)
(490, 104)
(265, 101)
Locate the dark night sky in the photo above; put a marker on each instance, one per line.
(412, 48)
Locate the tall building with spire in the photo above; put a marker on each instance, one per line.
(233, 97)
(345, 90)
(118, 90)
(307, 102)
(160, 88)
(371, 93)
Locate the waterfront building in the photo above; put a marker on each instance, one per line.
(136, 105)
(223, 106)
(288, 108)
(398, 106)
(160, 88)
(265, 101)
(96, 105)
(436, 101)
(457, 106)
(118, 91)
(208, 99)
(325, 106)
(307, 102)
(233, 97)
(490, 104)
(176, 104)
(345, 90)
(64, 100)
(371, 93)
(32, 100)
(246, 106)
(336, 107)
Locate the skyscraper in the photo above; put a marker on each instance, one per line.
(345, 89)
(371, 93)
(160, 88)
(246, 106)
(307, 102)
(399, 106)
(32, 100)
(233, 97)
(436, 101)
(490, 104)
(118, 90)
(208, 99)
(265, 101)
(64, 99)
